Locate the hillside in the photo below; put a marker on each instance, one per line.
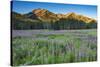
(44, 19)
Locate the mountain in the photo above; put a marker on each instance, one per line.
(43, 15)
(44, 19)
(46, 15)
(80, 17)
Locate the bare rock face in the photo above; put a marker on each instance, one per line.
(46, 15)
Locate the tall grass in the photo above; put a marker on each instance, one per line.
(53, 48)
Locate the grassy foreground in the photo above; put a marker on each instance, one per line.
(68, 47)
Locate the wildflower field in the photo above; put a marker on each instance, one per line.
(51, 47)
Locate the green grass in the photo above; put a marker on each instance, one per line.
(53, 48)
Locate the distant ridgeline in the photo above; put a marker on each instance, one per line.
(44, 19)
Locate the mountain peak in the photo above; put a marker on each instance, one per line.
(71, 14)
(39, 10)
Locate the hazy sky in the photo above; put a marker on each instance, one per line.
(25, 7)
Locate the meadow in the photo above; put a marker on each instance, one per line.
(32, 47)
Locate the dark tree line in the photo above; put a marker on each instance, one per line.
(58, 25)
